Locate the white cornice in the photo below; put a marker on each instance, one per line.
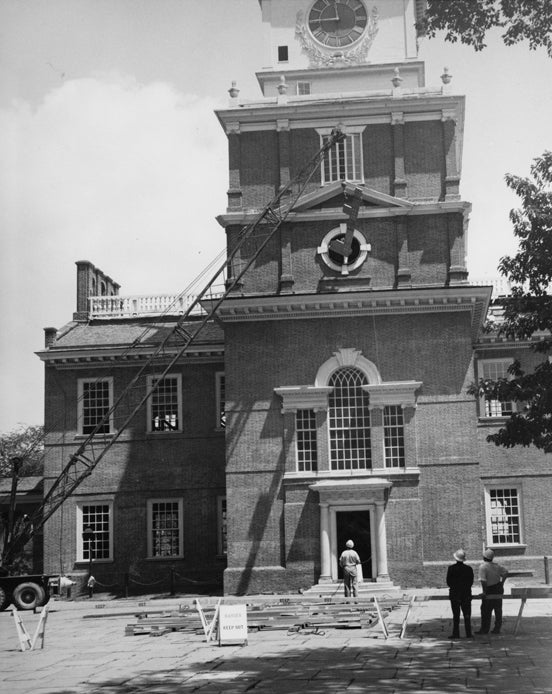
(244, 217)
(357, 108)
(303, 397)
(393, 393)
(122, 356)
(460, 298)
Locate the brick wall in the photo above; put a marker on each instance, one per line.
(141, 466)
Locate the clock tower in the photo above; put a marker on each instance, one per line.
(348, 342)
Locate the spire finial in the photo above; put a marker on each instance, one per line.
(446, 77)
(233, 91)
(397, 79)
(282, 85)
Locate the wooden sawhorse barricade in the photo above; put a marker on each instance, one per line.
(522, 594)
(526, 593)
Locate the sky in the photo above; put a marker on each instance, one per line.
(110, 152)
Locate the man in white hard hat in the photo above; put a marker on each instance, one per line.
(460, 581)
(492, 577)
(349, 560)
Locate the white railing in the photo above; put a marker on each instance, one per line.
(500, 285)
(132, 306)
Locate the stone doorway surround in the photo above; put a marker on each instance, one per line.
(356, 494)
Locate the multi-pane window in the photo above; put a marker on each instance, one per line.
(222, 526)
(344, 160)
(220, 400)
(303, 88)
(165, 404)
(503, 516)
(95, 400)
(493, 369)
(393, 435)
(98, 517)
(164, 528)
(349, 421)
(305, 425)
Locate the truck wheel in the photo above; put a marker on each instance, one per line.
(4, 599)
(27, 596)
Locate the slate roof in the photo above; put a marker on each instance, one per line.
(143, 332)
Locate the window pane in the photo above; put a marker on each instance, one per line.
(493, 370)
(504, 516)
(343, 161)
(306, 440)
(96, 516)
(349, 421)
(165, 529)
(95, 406)
(164, 405)
(393, 430)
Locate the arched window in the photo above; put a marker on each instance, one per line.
(349, 420)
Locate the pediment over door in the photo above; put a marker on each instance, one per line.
(351, 491)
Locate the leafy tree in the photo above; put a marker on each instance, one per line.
(470, 20)
(528, 313)
(26, 443)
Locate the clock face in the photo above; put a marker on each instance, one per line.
(337, 23)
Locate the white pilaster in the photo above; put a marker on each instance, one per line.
(381, 540)
(325, 558)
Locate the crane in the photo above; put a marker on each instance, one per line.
(92, 449)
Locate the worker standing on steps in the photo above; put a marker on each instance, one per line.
(349, 561)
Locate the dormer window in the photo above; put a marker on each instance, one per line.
(343, 162)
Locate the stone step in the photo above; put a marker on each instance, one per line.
(365, 589)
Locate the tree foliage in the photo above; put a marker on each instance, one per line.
(26, 443)
(528, 313)
(470, 20)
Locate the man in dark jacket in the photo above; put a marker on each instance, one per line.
(460, 581)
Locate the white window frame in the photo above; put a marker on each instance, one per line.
(219, 378)
(310, 465)
(488, 515)
(94, 501)
(399, 434)
(180, 504)
(350, 464)
(221, 503)
(352, 135)
(80, 403)
(304, 88)
(486, 405)
(150, 382)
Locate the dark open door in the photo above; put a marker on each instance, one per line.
(355, 526)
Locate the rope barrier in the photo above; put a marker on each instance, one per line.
(107, 585)
(154, 583)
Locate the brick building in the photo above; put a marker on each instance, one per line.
(329, 398)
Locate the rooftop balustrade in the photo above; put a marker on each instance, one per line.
(105, 307)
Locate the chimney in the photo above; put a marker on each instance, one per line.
(50, 335)
(91, 281)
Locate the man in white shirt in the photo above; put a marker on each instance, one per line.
(349, 560)
(492, 577)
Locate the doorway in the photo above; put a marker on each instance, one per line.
(355, 526)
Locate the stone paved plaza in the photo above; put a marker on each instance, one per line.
(86, 652)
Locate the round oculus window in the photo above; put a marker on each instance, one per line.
(343, 263)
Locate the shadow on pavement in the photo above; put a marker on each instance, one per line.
(313, 664)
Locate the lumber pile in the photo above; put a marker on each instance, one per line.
(283, 614)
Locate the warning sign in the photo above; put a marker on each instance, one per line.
(232, 624)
